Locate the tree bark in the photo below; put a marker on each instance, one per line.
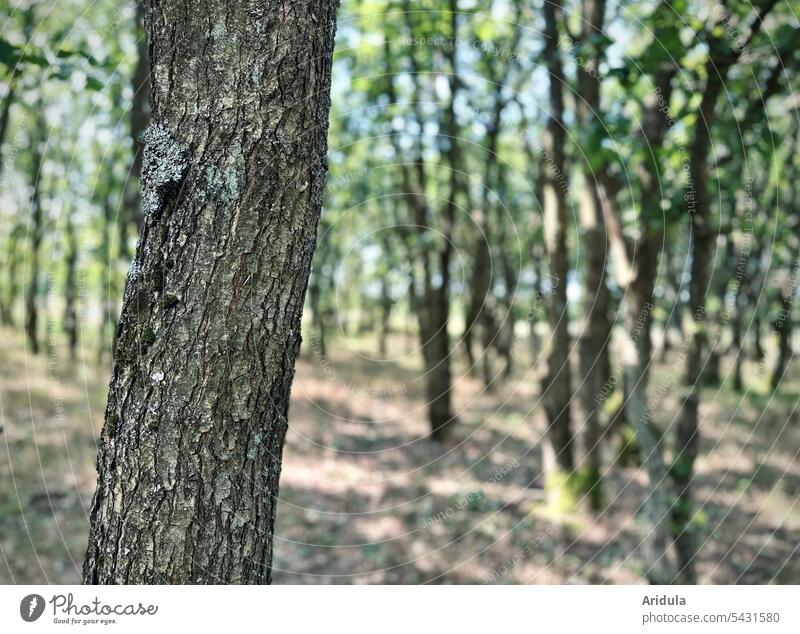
(596, 330)
(233, 177)
(557, 384)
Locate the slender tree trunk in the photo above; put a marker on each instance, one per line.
(557, 384)
(108, 289)
(36, 232)
(386, 314)
(783, 327)
(440, 384)
(233, 177)
(433, 307)
(5, 115)
(703, 237)
(12, 264)
(636, 339)
(736, 344)
(317, 317)
(133, 214)
(70, 290)
(596, 330)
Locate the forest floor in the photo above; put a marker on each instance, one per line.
(366, 497)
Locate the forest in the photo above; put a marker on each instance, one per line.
(392, 292)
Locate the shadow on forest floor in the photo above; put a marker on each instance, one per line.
(366, 497)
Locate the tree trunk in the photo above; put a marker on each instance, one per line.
(702, 236)
(636, 339)
(132, 213)
(11, 265)
(783, 326)
(233, 177)
(70, 290)
(596, 330)
(557, 384)
(438, 341)
(36, 233)
(736, 344)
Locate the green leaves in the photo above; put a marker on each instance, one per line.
(59, 63)
(12, 56)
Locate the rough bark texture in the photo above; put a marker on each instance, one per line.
(556, 388)
(233, 177)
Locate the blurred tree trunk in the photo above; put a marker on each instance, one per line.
(139, 117)
(783, 326)
(481, 304)
(636, 269)
(386, 303)
(431, 303)
(233, 176)
(108, 296)
(436, 346)
(11, 265)
(317, 316)
(721, 60)
(36, 230)
(5, 115)
(557, 385)
(70, 286)
(596, 330)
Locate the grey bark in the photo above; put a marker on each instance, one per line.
(233, 177)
